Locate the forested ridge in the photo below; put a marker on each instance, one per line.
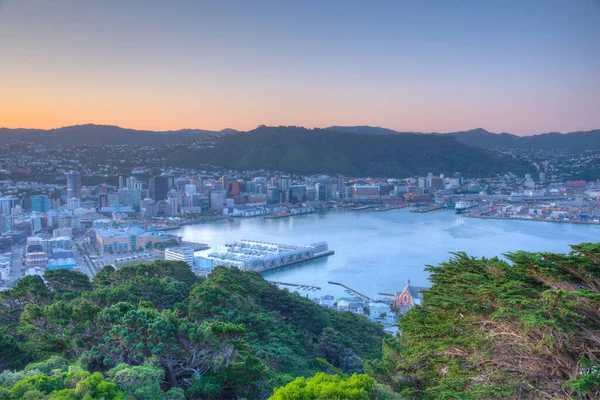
(159, 326)
(526, 326)
(317, 151)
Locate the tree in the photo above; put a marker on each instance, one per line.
(66, 280)
(527, 328)
(322, 386)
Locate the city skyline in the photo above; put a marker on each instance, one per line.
(519, 67)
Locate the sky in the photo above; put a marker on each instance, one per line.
(523, 66)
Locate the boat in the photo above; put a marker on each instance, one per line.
(462, 205)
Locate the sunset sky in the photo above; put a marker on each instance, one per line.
(508, 66)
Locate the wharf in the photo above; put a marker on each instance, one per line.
(360, 208)
(556, 221)
(196, 246)
(300, 286)
(427, 209)
(380, 209)
(350, 289)
(275, 216)
(319, 255)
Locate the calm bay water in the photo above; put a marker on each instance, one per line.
(379, 251)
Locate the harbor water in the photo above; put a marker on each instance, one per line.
(378, 251)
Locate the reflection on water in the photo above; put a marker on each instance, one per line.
(379, 251)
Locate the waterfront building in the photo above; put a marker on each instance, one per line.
(365, 191)
(258, 256)
(185, 254)
(119, 240)
(297, 193)
(73, 185)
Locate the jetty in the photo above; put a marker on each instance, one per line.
(351, 290)
(297, 285)
(360, 208)
(195, 245)
(423, 210)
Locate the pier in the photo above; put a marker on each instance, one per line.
(196, 246)
(350, 289)
(292, 214)
(297, 261)
(299, 286)
(360, 208)
(424, 210)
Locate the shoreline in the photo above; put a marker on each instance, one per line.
(532, 220)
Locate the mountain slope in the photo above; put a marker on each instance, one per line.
(304, 151)
(103, 135)
(575, 141)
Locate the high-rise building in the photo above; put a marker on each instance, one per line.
(130, 197)
(121, 182)
(173, 206)
(217, 200)
(40, 203)
(158, 187)
(320, 192)
(225, 185)
(130, 182)
(73, 185)
(7, 204)
(297, 193)
(285, 183)
(190, 189)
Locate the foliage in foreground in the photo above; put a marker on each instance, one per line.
(322, 386)
(526, 328)
(158, 331)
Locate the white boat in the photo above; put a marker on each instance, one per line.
(461, 206)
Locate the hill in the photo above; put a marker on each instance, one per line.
(574, 141)
(304, 151)
(144, 328)
(103, 135)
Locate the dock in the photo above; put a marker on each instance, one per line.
(360, 208)
(424, 210)
(299, 286)
(196, 246)
(350, 289)
(386, 208)
(275, 216)
(297, 261)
